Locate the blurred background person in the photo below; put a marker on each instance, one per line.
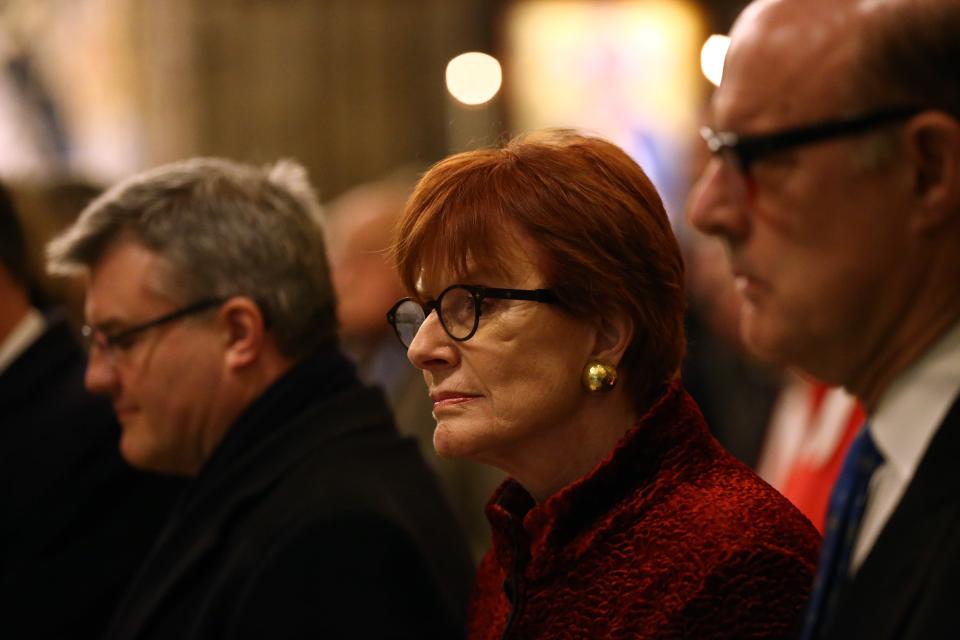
(76, 520)
(360, 225)
(547, 316)
(211, 317)
(46, 207)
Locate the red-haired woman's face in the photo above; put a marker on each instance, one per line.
(514, 383)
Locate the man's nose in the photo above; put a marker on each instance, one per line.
(718, 202)
(101, 375)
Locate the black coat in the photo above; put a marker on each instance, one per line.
(75, 520)
(312, 519)
(905, 588)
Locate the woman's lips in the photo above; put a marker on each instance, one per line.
(449, 399)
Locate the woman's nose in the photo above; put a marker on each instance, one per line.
(432, 348)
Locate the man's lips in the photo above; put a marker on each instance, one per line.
(123, 410)
(748, 286)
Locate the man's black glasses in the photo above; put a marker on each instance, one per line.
(459, 307)
(124, 338)
(747, 149)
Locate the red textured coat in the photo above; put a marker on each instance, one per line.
(669, 537)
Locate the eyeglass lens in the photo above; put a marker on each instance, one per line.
(407, 320)
(458, 312)
(458, 315)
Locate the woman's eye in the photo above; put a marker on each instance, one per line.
(489, 305)
(463, 309)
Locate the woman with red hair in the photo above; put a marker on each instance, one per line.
(546, 313)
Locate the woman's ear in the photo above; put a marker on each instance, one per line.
(243, 331)
(614, 335)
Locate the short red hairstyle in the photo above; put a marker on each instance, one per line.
(605, 239)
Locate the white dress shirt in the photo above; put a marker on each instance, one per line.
(905, 421)
(30, 327)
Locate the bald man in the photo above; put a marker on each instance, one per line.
(835, 186)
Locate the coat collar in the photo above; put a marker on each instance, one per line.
(526, 532)
(317, 400)
(319, 375)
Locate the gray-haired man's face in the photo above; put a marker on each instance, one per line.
(165, 381)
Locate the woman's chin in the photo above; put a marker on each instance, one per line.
(449, 443)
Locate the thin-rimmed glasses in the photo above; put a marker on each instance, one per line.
(112, 343)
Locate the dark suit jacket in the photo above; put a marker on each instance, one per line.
(312, 519)
(905, 588)
(75, 520)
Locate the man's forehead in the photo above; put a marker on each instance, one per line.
(121, 282)
(788, 63)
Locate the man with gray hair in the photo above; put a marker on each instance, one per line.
(212, 330)
(835, 186)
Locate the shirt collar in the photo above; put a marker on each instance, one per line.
(910, 412)
(29, 328)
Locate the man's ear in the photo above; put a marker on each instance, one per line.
(243, 331)
(614, 335)
(933, 150)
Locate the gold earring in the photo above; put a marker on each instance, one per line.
(598, 376)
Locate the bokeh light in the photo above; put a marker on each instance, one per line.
(712, 55)
(474, 78)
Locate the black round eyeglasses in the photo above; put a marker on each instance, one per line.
(459, 307)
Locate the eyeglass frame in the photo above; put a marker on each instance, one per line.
(109, 342)
(546, 296)
(748, 149)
